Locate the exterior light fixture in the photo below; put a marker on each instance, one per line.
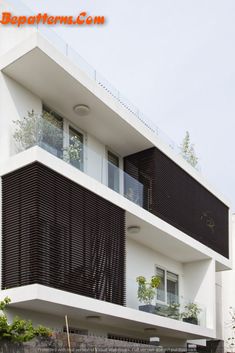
(150, 329)
(81, 109)
(133, 229)
(93, 317)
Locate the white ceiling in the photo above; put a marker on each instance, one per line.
(162, 242)
(37, 72)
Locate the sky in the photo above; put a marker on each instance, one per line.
(175, 60)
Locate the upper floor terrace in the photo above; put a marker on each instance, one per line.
(14, 38)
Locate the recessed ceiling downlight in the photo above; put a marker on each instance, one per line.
(81, 109)
(133, 229)
(150, 329)
(93, 317)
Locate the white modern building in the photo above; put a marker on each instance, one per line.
(92, 197)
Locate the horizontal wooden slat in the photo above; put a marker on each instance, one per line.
(59, 234)
(173, 195)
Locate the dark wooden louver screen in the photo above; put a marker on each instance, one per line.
(173, 195)
(59, 234)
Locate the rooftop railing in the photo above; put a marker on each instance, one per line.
(76, 58)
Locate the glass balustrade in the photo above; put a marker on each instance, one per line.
(40, 132)
(176, 307)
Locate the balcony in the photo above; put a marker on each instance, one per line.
(147, 180)
(47, 143)
(174, 306)
(77, 307)
(37, 131)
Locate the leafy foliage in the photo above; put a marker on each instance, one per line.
(147, 290)
(192, 310)
(187, 150)
(19, 330)
(171, 310)
(26, 133)
(72, 153)
(35, 129)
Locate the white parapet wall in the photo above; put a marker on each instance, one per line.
(199, 286)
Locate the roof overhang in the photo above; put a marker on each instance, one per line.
(61, 86)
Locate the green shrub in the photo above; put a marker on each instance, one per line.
(19, 330)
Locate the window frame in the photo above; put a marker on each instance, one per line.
(59, 118)
(120, 186)
(66, 124)
(79, 131)
(166, 270)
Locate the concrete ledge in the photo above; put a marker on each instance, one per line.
(52, 301)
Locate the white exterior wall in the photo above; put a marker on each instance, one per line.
(94, 158)
(15, 102)
(219, 306)
(196, 279)
(142, 261)
(199, 287)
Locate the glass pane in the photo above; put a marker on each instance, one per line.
(75, 149)
(52, 132)
(172, 288)
(161, 288)
(133, 189)
(113, 172)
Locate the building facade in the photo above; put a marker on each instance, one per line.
(92, 198)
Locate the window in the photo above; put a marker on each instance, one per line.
(51, 132)
(113, 171)
(168, 290)
(75, 150)
(172, 288)
(161, 288)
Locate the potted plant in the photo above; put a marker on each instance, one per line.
(192, 310)
(171, 310)
(146, 292)
(174, 311)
